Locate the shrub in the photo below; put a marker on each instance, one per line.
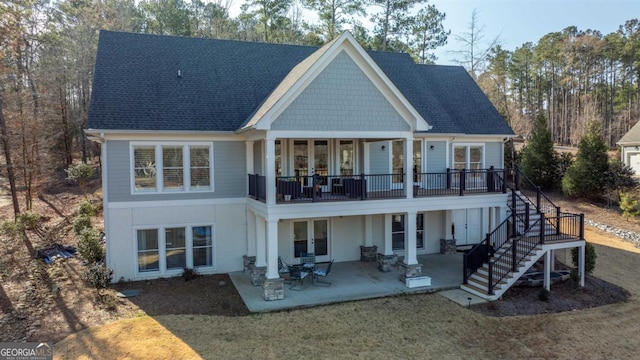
(29, 219)
(544, 295)
(81, 223)
(80, 174)
(189, 274)
(98, 275)
(87, 209)
(89, 245)
(628, 205)
(574, 276)
(11, 229)
(589, 257)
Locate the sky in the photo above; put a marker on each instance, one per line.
(520, 21)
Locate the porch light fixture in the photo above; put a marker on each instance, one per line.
(383, 147)
(431, 147)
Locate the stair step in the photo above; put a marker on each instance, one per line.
(485, 278)
(471, 286)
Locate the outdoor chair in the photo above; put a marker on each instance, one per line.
(319, 273)
(283, 269)
(297, 275)
(308, 261)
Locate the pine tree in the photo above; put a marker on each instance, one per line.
(538, 157)
(587, 177)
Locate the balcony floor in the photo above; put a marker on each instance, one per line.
(390, 194)
(354, 280)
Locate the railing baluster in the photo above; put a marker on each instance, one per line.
(514, 254)
(490, 282)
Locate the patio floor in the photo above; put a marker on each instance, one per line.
(354, 280)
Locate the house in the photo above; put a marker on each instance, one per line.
(226, 155)
(630, 144)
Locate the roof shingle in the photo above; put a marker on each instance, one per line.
(153, 82)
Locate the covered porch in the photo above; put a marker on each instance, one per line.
(354, 280)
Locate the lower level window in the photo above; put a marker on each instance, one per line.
(175, 248)
(202, 246)
(148, 259)
(397, 232)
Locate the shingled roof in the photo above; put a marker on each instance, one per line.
(152, 82)
(632, 137)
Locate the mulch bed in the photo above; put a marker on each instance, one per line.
(205, 295)
(565, 296)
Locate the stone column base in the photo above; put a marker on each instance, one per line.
(409, 271)
(368, 253)
(257, 274)
(248, 261)
(273, 289)
(387, 263)
(448, 246)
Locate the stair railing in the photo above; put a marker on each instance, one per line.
(530, 190)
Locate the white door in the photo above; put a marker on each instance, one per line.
(311, 236)
(468, 226)
(311, 157)
(634, 163)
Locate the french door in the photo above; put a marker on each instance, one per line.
(468, 226)
(311, 157)
(311, 236)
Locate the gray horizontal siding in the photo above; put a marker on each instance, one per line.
(493, 155)
(341, 98)
(229, 174)
(378, 158)
(436, 157)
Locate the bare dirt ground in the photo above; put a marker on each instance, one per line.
(206, 315)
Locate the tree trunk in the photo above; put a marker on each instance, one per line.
(7, 158)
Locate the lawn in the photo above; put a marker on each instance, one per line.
(412, 326)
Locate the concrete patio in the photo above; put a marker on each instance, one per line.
(353, 280)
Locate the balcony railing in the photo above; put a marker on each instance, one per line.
(317, 188)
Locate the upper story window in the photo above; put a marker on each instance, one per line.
(171, 167)
(468, 157)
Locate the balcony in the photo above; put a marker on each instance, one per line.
(301, 189)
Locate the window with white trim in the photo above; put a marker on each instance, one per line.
(467, 157)
(171, 249)
(398, 231)
(144, 168)
(148, 251)
(172, 167)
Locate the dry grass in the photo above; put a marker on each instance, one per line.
(418, 326)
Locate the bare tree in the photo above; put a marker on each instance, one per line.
(474, 50)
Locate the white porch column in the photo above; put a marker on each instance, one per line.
(261, 260)
(547, 270)
(270, 169)
(410, 251)
(408, 166)
(251, 233)
(581, 265)
(388, 244)
(486, 222)
(249, 155)
(368, 230)
(502, 210)
(272, 249)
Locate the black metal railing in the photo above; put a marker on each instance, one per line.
(534, 194)
(258, 187)
(318, 187)
(460, 182)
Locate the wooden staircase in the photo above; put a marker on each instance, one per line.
(532, 228)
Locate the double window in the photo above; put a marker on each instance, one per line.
(398, 231)
(174, 248)
(172, 167)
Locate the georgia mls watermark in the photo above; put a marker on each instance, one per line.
(25, 351)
